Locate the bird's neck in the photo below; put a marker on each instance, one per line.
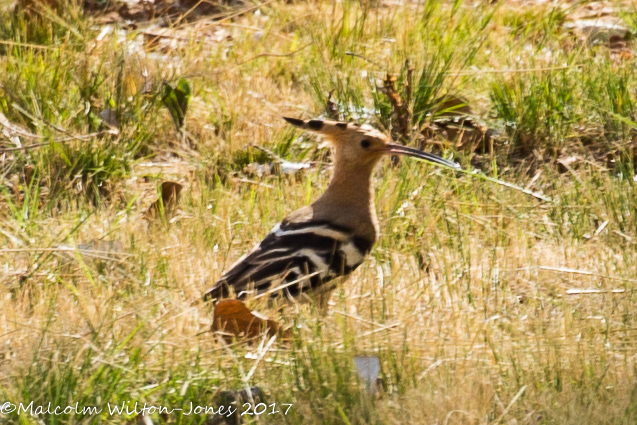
(349, 199)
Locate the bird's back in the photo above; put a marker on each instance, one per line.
(301, 245)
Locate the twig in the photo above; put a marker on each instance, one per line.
(600, 228)
(64, 139)
(19, 131)
(261, 356)
(628, 238)
(583, 272)
(252, 28)
(358, 55)
(494, 180)
(34, 46)
(238, 364)
(510, 404)
(593, 291)
(359, 318)
(384, 328)
(65, 249)
(269, 186)
(276, 55)
(533, 180)
(431, 367)
(502, 71)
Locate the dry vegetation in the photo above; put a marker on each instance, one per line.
(472, 300)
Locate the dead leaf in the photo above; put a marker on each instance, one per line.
(28, 174)
(170, 192)
(233, 318)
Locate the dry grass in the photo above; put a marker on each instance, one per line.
(464, 299)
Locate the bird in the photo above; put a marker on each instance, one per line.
(302, 257)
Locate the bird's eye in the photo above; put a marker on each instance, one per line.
(365, 144)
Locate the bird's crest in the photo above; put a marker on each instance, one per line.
(337, 130)
(357, 144)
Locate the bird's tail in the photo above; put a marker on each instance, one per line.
(218, 291)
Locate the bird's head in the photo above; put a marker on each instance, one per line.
(362, 144)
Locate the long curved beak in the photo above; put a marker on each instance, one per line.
(393, 149)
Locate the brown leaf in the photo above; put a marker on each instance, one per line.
(170, 192)
(233, 317)
(28, 174)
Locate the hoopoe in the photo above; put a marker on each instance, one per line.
(311, 247)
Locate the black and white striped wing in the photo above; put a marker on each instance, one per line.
(319, 250)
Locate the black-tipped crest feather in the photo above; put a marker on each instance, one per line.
(315, 124)
(295, 121)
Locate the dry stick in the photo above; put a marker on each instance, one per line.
(431, 367)
(600, 228)
(261, 356)
(509, 185)
(384, 328)
(253, 182)
(593, 291)
(252, 28)
(34, 46)
(277, 55)
(510, 404)
(16, 129)
(176, 316)
(359, 318)
(64, 139)
(10, 332)
(502, 71)
(238, 364)
(358, 55)
(533, 180)
(63, 249)
(583, 272)
(21, 132)
(456, 411)
(493, 180)
(53, 126)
